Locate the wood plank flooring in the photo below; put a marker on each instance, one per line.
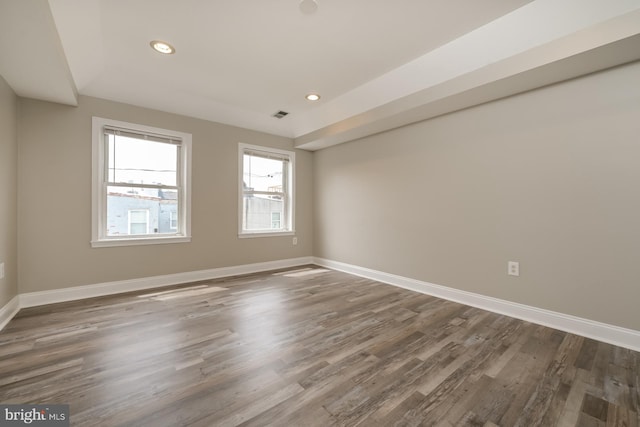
(308, 347)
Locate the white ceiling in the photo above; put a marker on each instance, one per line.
(378, 64)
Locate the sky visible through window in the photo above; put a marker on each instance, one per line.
(137, 161)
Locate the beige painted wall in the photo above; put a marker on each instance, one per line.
(55, 199)
(8, 192)
(549, 178)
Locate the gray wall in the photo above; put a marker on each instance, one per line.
(549, 178)
(55, 199)
(8, 192)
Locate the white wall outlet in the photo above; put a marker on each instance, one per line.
(513, 268)
(1, 270)
(295, 241)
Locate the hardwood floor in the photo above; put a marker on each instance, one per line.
(308, 347)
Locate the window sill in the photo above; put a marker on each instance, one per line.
(139, 241)
(266, 234)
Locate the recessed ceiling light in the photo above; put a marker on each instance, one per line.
(313, 97)
(162, 47)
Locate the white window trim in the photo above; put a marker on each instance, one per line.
(99, 197)
(243, 234)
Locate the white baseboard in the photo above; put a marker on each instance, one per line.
(611, 334)
(32, 299)
(9, 310)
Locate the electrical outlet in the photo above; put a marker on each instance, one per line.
(513, 268)
(295, 241)
(1, 270)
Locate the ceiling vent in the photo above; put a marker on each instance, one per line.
(280, 114)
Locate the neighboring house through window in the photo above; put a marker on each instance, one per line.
(141, 184)
(266, 183)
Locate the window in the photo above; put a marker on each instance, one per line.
(139, 221)
(141, 184)
(265, 191)
(173, 220)
(275, 219)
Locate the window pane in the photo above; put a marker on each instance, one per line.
(261, 174)
(259, 213)
(138, 161)
(136, 210)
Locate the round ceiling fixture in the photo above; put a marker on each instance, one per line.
(162, 47)
(313, 97)
(308, 6)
